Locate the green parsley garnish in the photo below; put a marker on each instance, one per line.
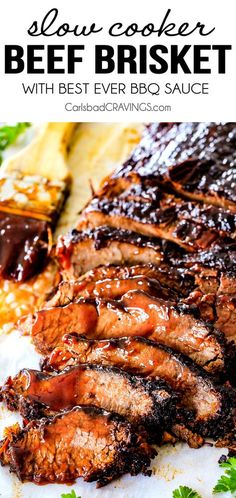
(185, 492)
(9, 134)
(72, 494)
(227, 481)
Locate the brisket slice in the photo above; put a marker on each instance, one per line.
(210, 404)
(78, 252)
(97, 282)
(84, 442)
(118, 283)
(198, 160)
(146, 209)
(168, 277)
(143, 402)
(135, 314)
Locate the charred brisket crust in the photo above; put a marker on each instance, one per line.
(213, 217)
(127, 461)
(230, 351)
(220, 257)
(104, 236)
(223, 420)
(31, 410)
(228, 348)
(143, 212)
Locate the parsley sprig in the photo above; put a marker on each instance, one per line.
(185, 492)
(9, 135)
(72, 494)
(227, 481)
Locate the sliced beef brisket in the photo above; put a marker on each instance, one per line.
(209, 403)
(143, 402)
(109, 288)
(84, 442)
(79, 251)
(135, 314)
(146, 209)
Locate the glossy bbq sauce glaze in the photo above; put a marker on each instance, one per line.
(23, 246)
